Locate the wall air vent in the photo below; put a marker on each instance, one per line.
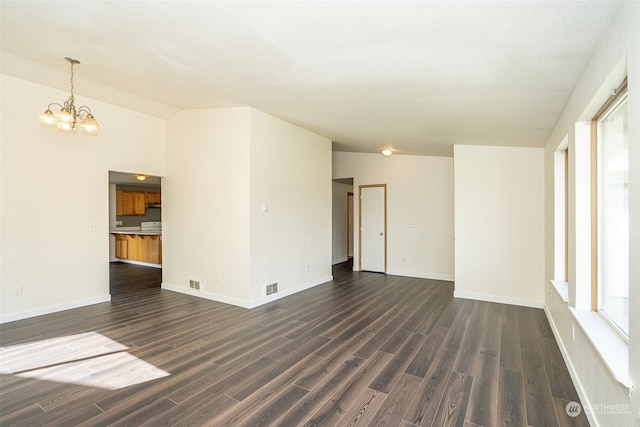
(195, 284)
(272, 288)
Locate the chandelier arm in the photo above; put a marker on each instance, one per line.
(83, 111)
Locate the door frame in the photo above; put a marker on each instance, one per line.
(350, 224)
(360, 187)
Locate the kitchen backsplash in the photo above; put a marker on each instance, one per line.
(153, 214)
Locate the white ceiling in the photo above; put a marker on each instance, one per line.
(415, 76)
(131, 180)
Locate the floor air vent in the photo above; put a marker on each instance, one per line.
(272, 288)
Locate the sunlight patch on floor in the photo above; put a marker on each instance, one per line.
(89, 359)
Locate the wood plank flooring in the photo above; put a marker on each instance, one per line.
(365, 349)
(125, 278)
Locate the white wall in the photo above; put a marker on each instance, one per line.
(419, 209)
(222, 165)
(291, 174)
(54, 186)
(205, 203)
(499, 222)
(339, 244)
(593, 380)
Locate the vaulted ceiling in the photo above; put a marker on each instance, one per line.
(414, 76)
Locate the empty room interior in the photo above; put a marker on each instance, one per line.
(320, 213)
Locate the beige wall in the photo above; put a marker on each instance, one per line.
(205, 203)
(419, 209)
(291, 174)
(620, 47)
(499, 220)
(54, 187)
(222, 166)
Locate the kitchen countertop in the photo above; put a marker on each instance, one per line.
(133, 230)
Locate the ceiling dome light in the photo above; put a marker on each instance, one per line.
(141, 177)
(387, 152)
(67, 115)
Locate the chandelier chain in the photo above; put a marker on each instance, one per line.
(71, 79)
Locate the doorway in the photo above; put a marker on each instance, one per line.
(135, 232)
(373, 228)
(350, 225)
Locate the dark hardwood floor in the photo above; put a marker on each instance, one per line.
(126, 278)
(365, 349)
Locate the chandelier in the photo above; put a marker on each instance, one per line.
(66, 115)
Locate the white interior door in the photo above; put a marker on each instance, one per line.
(373, 228)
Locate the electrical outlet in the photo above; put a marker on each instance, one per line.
(573, 332)
(17, 291)
(219, 277)
(308, 267)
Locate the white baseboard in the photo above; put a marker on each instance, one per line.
(572, 370)
(146, 264)
(291, 291)
(244, 303)
(446, 277)
(499, 299)
(12, 317)
(207, 295)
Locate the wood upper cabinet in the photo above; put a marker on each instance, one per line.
(153, 198)
(129, 203)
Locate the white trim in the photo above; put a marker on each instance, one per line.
(446, 277)
(562, 288)
(572, 370)
(291, 291)
(244, 303)
(339, 260)
(146, 264)
(606, 341)
(604, 338)
(53, 309)
(206, 295)
(499, 299)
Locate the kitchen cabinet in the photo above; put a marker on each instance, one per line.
(139, 247)
(130, 203)
(145, 248)
(122, 246)
(153, 198)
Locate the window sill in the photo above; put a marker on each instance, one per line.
(613, 350)
(562, 288)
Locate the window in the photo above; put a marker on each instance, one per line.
(610, 208)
